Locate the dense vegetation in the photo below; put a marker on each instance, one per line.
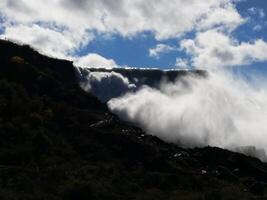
(58, 142)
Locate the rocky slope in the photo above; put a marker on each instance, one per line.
(59, 142)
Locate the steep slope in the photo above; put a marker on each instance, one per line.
(59, 142)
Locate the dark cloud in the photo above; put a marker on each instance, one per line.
(80, 4)
(106, 85)
(112, 83)
(223, 55)
(18, 5)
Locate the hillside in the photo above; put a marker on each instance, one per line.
(59, 142)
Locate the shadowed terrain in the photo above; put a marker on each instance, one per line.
(59, 142)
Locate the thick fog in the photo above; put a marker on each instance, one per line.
(220, 110)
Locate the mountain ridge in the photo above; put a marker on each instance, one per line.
(59, 142)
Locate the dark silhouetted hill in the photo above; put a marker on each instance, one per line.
(59, 142)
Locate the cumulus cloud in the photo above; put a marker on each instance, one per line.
(165, 19)
(182, 63)
(256, 18)
(214, 48)
(226, 17)
(160, 49)
(127, 17)
(218, 110)
(257, 11)
(51, 42)
(257, 27)
(106, 85)
(94, 61)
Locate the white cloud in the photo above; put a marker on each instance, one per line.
(252, 10)
(59, 27)
(160, 49)
(257, 11)
(106, 85)
(57, 43)
(51, 42)
(225, 16)
(181, 63)
(216, 49)
(262, 13)
(166, 19)
(257, 28)
(218, 110)
(94, 61)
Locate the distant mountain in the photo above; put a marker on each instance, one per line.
(60, 142)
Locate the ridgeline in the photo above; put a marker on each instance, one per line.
(59, 142)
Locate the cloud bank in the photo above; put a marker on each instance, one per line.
(126, 17)
(105, 85)
(60, 28)
(219, 110)
(214, 49)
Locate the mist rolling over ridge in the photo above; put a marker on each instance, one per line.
(69, 140)
(195, 109)
(133, 99)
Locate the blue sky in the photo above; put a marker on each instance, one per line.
(246, 33)
(212, 33)
(134, 52)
